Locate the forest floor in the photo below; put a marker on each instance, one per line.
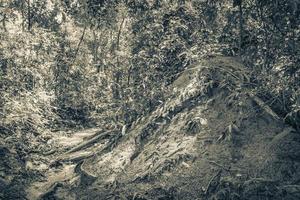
(202, 143)
(57, 172)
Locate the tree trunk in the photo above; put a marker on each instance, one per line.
(119, 34)
(118, 73)
(29, 15)
(3, 22)
(23, 16)
(79, 44)
(241, 28)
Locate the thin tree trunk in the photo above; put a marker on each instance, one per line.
(129, 75)
(79, 44)
(96, 47)
(119, 34)
(95, 52)
(23, 16)
(118, 73)
(3, 22)
(29, 15)
(241, 28)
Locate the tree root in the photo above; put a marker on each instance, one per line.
(50, 191)
(48, 153)
(91, 141)
(86, 178)
(75, 157)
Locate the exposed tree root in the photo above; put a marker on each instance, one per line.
(75, 157)
(48, 153)
(50, 191)
(91, 141)
(86, 178)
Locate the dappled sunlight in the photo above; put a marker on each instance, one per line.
(149, 99)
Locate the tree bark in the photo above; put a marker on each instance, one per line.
(3, 22)
(23, 16)
(79, 44)
(118, 73)
(95, 51)
(119, 34)
(29, 15)
(241, 28)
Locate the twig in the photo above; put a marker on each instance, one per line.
(219, 165)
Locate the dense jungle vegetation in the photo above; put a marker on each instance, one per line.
(76, 64)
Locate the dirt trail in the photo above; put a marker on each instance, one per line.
(57, 172)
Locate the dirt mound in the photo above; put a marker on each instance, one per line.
(212, 139)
